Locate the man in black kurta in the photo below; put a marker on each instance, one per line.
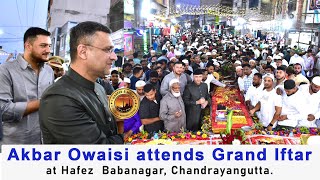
(196, 98)
(74, 110)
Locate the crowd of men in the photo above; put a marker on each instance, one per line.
(280, 84)
(40, 103)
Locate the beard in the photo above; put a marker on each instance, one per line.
(176, 94)
(39, 57)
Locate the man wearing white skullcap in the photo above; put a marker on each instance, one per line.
(172, 110)
(126, 83)
(139, 88)
(237, 63)
(253, 66)
(312, 95)
(269, 104)
(240, 75)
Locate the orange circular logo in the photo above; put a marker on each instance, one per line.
(124, 103)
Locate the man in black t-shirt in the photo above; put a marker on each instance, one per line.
(149, 110)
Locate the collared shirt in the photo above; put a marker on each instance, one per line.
(247, 81)
(297, 59)
(309, 62)
(164, 88)
(19, 85)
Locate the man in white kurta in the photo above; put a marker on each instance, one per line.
(293, 107)
(312, 95)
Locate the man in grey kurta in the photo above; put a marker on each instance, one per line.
(22, 83)
(196, 98)
(172, 110)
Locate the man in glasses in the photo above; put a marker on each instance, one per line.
(75, 109)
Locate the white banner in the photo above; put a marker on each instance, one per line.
(158, 162)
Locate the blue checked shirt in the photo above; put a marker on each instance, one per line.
(247, 82)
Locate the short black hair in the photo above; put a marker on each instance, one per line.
(126, 65)
(33, 32)
(83, 33)
(157, 68)
(158, 62)
(170, 62)
(145, 56)
(136, 70)
(114, 72)
(164, 52)
(298, 64)
(245, 65)
(269, 67)
(143, 61)
(258, 75)
(178, 62)
(154, 74)
(148, 87)
(135, 54)
(282, 68)
(209, 64)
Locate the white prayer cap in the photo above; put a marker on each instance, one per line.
(236, 48)
(251, 60)
(172, 58)
(177, 53)
(185, 61)
(140, 83)
(127, 80)
(208, 53)
(238, 67)
(281, 54)
(269, 76)
(174, 80)
(214, 44)
(204, 43)
(214, 50)
(238, 62)
(213, 53)
(233, 54)
(277, 57)
(316, 80)
(168, 42)
(196, 40)
(152, 51)
(200, 48)
(189, 48)
(199, 52)
(181, 42)
(216, 64)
